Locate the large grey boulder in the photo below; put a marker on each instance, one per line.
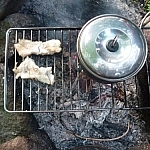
(76, 12)
(14, 20)
(21, 20)
(8, 7)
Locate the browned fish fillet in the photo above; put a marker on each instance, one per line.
(27, 47)
(29, 70)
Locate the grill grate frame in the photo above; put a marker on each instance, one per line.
(68, 37)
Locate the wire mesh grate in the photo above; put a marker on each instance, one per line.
(72, 90)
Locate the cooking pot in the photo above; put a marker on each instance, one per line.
(111, 48)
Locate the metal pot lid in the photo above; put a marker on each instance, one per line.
(111, 47)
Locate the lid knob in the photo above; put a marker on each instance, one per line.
(112, 45)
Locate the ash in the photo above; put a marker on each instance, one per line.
(104, 124)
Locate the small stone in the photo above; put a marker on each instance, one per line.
(130, 138)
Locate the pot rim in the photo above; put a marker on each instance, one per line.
(96, 75)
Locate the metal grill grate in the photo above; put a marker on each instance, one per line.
(72, 90)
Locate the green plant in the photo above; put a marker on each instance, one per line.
(147, 6)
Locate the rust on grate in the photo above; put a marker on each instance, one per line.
(73, 90)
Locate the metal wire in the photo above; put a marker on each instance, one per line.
(72, 88)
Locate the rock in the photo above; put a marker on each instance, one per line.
(14, 20)
(8, 7)
(39, 140)
(33, 142)
(20, 143)
(76, 13)
(3, 28)
(21, 20)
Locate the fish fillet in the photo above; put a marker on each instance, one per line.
(29, 70)
(27, 47)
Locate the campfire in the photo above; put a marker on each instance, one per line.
(76, 110)
(72, 90)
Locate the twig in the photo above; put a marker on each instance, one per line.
(96, 139)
